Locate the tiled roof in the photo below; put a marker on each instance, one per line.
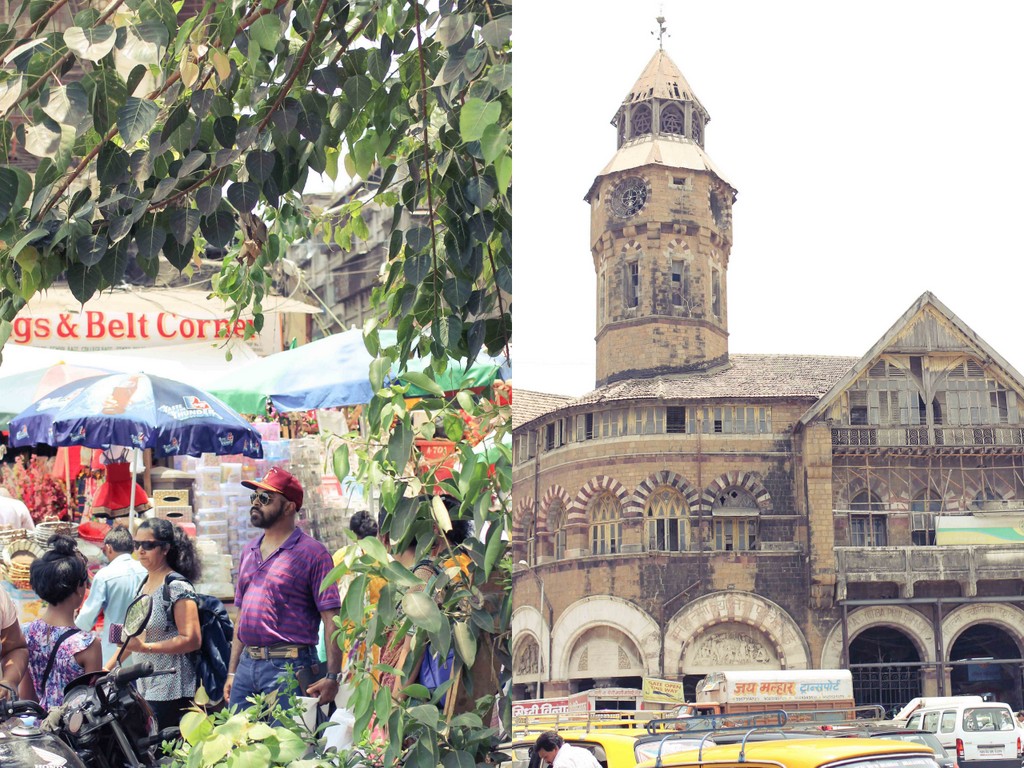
(745, 376)
(527, 405)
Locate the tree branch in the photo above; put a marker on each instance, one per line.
(32, 89)
(426, 151)
(40, 22)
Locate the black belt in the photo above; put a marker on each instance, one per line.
(279, 651)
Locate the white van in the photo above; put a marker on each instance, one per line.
(984, 734)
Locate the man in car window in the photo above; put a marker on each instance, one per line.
(556, 753)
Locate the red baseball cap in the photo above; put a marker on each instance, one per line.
(279, 481)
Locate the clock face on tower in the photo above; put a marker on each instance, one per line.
(629, 196)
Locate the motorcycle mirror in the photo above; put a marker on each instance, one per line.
(135, 620)
(137, 615)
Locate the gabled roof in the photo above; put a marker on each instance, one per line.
(661, 79)
(927, 326)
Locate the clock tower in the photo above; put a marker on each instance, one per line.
(661, 233)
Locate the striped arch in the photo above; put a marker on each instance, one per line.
(551, 495)
(878, 487)
(522, 512)
(748, 481)
(632, 247)
(662, 478)
(592, 488)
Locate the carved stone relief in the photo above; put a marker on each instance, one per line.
(729, 646)
(603, 649)
(528, 661)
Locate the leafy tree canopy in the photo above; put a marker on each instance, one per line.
(155, 131)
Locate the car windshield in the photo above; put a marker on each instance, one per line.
(987, 719)
(930, 740)
(649, 750)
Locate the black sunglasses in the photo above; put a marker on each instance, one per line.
(263, 497)
(147, 545)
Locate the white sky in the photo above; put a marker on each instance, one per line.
(876, 147)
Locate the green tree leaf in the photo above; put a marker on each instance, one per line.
(112, 164)
(218, 229)
(135, 119)
(91, 249)
(422, 611)
(357, 89)
(476, 116)
(90, 44)
(339, 462)
(266, 32)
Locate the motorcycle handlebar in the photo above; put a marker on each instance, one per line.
(125, 675)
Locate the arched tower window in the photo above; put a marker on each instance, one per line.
(667, 521)
(630, 277)
(716, 293)
(922, 512)
(605, 525)
(672, 120)
(735, 513)
(697, 129)
(556, 520)
(641, 120)
(867, 525)
(680, 301)
(531, 542)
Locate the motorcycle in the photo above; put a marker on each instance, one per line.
(103, 723)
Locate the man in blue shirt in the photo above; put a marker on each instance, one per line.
(113, 587)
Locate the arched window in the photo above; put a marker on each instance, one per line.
(867, 527)
(672, 120)
(641, 120)
(556, 521)
(735, 514)
(922, 513)
(697, 129)
(681, 295)
(605, 525)
(667, 521)
(531, 542)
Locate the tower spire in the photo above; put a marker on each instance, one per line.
(661, 31)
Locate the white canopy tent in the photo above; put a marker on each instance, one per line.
(195, 363)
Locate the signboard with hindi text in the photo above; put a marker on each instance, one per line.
(776, 686)
(534, 707)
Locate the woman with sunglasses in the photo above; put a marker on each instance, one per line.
(173, 632)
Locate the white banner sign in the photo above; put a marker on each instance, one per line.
(96, 329)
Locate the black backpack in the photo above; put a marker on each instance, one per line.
(217, 631)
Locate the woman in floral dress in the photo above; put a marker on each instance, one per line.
(59, 578)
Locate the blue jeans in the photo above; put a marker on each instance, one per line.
(264, 676)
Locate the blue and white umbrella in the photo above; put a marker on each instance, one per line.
(138, 411)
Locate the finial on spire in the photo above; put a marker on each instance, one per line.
(661, 30)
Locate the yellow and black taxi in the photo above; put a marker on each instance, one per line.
(612, 747)
(801, 753)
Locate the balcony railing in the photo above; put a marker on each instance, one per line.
(907, 566)
(894, 437)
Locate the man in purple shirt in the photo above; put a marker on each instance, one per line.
(280, 605)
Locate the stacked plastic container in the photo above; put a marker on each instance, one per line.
(221, 504)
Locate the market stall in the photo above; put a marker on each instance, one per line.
(140, 413)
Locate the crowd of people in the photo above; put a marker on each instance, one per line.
(282, 612)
